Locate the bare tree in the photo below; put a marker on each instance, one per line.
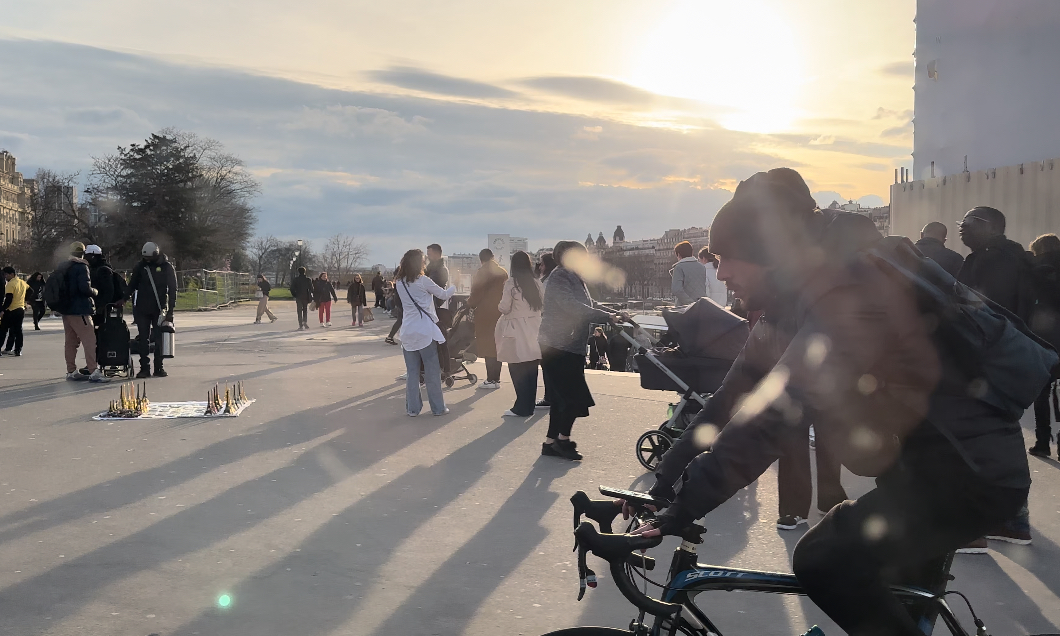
(342, 255)
(261, 250)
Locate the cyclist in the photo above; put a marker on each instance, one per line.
(842, 344)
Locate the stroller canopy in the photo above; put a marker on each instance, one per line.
(704, 329)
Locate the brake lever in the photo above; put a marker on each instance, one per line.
(586, 577)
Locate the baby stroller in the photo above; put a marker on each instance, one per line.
(461, 342)
(706, 339)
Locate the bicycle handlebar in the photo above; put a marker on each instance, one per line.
(617, 549)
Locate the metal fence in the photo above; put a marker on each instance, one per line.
(202, 289)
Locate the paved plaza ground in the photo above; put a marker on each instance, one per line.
(324, 510)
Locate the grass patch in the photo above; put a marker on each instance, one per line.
(280, 293)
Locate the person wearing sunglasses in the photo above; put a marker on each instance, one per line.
(1000, 269)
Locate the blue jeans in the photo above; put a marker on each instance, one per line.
(432, 375)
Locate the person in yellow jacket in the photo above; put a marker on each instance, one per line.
(12, 311)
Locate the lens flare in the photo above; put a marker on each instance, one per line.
(224, 600)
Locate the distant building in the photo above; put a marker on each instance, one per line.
(880, 216)
(16, 195)
(619, 236)
(986, 83)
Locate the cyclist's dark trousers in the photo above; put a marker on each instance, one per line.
(794, 480)
(302, 306)
(1043, 417)
(915, 515)
(148, 331)
(38, 312)
(11, 329)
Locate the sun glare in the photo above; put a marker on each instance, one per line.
(740, 55)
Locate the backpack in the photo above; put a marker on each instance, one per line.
(57, 289)
(1008, 362)
(121, 288)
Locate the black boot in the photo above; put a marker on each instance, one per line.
(160, 372)
(145, 372)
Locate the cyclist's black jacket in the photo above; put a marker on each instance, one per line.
(848, 351)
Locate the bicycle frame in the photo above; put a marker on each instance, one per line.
(688, 579)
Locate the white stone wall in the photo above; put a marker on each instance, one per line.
(1028, 194)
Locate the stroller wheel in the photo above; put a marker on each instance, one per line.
(449, 381)
(651, 446)
(472, 378)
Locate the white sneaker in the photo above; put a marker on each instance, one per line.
(443, 412)
(76, 376)
(490, 385)
(402, 377)
(510, 413)
(327, 324)
(97, 376)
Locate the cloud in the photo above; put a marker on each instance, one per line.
(418, 79)
(886, 113)
(901, 69)
(393, 170)
(905, 130)
(353, 121)
(593, 89)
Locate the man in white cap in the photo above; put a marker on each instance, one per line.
(102, 278)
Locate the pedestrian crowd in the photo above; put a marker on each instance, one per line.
(88, 294)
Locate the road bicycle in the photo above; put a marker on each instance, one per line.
(676, 612)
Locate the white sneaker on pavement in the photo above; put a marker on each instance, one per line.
(490, 385)
(97, 376)
(403, 376)
(327, 324)
(511, 413)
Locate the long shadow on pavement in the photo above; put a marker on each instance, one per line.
(314, 590)
(62, 590)
(102, 497)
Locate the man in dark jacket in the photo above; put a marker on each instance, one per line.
(78, 314)
(102, 277)
(302, 291)
(997, 268)
(932, 244)
(154, 289)
(377, 287)
(437, 271)
(844, 344)
(1001, 270)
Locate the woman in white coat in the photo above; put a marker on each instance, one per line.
(521, 303)
(716, 290)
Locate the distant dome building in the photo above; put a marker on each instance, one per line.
(601, 242)
(619, 236)
(589, 244)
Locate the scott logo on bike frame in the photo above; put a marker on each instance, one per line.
(702, 574)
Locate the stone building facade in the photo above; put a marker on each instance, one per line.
(16, 194)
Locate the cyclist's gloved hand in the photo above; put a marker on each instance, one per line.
(669, 523)
(662, 492)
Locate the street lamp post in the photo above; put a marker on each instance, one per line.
(294, 258)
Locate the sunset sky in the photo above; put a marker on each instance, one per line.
(413, 121)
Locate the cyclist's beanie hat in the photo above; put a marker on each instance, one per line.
(768, 221)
